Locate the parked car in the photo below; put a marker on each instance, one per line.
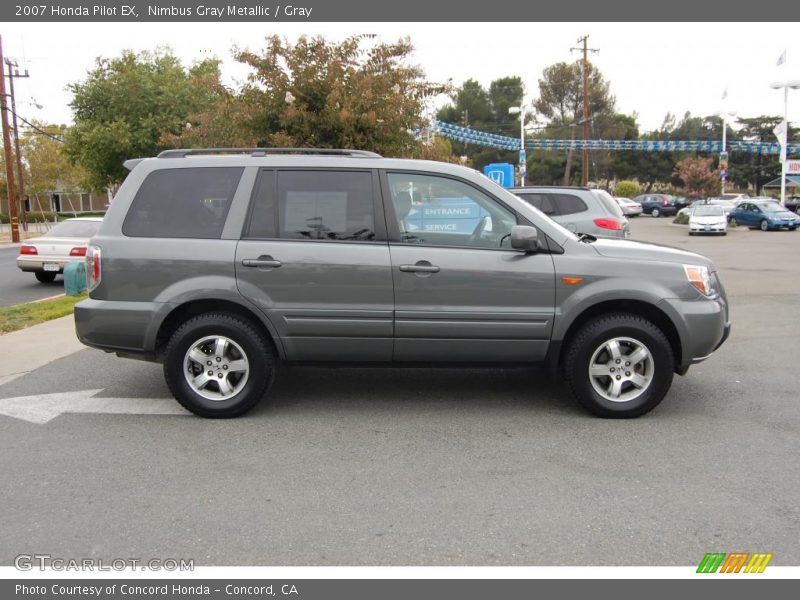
(734, 198)
(727, 206)
(657, 205)
(793, 204)
(765, 215)
(708, 218)
(221, 263)
(45, 256)
(681, 202)
(579, 209)
(629, 207)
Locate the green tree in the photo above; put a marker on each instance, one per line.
(127, 104)
(485, 110)
(755, 169)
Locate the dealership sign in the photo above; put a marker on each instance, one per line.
(793, 167)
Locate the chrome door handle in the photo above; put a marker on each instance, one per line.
(419, 268)
(261, 262)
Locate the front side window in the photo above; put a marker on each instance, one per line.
(183, 203)
(326, 205)
(440, 211)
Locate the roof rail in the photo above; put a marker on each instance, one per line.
(181, 153)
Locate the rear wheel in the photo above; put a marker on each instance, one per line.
(655, 212)
(764, 225)
(619, 365)
(218, 365)
(45, 276)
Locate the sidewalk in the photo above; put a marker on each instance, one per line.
(31, 348)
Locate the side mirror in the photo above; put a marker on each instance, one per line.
(524, 238)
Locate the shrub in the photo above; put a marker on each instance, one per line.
(626, 189)
(681, 219)
(4, 218)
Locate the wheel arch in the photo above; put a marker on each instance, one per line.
(192, 308)
(641, 308)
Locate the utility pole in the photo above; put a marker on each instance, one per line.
(12, 74)
(12, 192)
(585, 69)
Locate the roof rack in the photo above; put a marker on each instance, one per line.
(181, 153)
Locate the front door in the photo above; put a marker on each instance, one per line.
(314, 259)
(461, 293)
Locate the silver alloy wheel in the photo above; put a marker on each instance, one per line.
(621, 369)
(655, 212)
(216, 367)
(764, 225)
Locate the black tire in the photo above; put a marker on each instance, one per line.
(732, 222)
(257, 350)
(764, 225)
(593, 335)
(655, 213)
(45, 276)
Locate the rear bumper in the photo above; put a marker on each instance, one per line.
(34, 265)
(127, 328)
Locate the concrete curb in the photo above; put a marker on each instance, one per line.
(33, 347)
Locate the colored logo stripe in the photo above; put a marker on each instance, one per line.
(734, 562)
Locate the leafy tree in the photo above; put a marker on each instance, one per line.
(486, 110)
(698, 178)
(321, 94)
(561, 93)
(756, 169)
(125, 106)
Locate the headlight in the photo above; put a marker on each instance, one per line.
(700, 278)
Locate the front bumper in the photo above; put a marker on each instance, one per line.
(703, 326)
(708, 229)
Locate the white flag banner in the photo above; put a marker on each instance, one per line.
(780, 132)
(725, 94)
(781, 59)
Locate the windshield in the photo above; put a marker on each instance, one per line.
(74, 228)
(707, 210)
(771, 207)
(608, 201)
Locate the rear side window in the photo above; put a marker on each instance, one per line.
(326, 205)
(569, 204)
(608, 201)
(182, 203)
(541, 201)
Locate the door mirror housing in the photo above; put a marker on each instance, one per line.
(524, 238)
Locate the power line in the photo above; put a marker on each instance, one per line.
(32, 126)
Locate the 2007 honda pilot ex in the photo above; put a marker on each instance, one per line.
(219, 263)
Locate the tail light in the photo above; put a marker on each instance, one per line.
(78, 251)
(28, 250)
(664, 202)
(94, 270)
(613, 224)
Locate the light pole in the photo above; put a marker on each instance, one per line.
(785, 85)
(513, 110)
(723, 156)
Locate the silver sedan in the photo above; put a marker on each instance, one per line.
(46, 256)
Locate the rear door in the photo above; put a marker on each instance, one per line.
(461, 293)
(314, 257)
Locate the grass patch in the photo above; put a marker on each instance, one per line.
(21, 316)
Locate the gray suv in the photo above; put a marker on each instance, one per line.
(579, 209)
(220, 263)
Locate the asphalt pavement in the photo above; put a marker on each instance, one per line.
(346, 466)
(17, 287)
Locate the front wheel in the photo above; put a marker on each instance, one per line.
(45, 276)
(732, 222)
(619, 365)
(655, 212)
(218, 365)
(764, 225)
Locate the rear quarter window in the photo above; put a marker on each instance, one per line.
(569, 204)
(182, 203)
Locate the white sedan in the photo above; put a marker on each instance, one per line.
(708, 218)
(629, 207)
(46, 256)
